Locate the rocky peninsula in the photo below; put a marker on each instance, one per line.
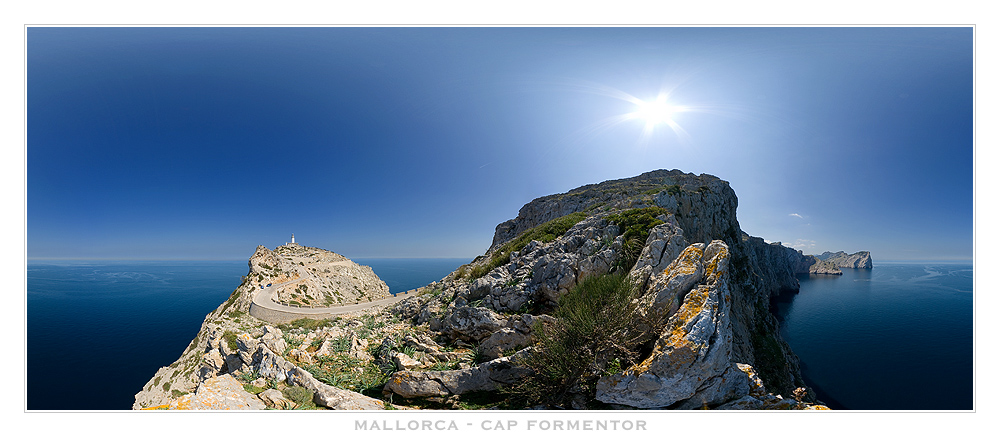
(646, 286)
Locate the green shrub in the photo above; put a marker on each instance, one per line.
(230, 338)
(635, 225)
(597, 327)
(311, 324)
(303, 397)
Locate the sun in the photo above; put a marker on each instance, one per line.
(656, 112)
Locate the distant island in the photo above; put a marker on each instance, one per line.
(637, 293)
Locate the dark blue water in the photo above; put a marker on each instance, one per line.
(896, 337)
(403, 274)
(98, 331)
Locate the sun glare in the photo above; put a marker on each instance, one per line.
(656, 112)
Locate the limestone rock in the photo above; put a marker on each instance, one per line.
(274, 340)
(218, 393)
(691, 359)
(471, 323)
(484, 377)
(503, 341)
(300, 356)
(275, 399)
(212, 364)
(515, 336)
(271, 365)
(665, 243)
(404, 361)
(671, 285)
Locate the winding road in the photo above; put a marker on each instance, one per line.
(264, 298)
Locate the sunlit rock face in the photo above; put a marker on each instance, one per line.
(691, 362)
(857, 260)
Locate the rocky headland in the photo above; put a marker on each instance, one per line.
(857, 260)
(636, 293)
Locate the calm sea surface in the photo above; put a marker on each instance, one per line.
(896, 337)
(98, 331)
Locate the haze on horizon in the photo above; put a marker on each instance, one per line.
(201, 143)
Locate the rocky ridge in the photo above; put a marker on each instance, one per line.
(457, 341)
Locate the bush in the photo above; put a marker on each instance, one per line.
(230, 338)
(597, 326)
(635, 225)
(302, 396)
(311, 324)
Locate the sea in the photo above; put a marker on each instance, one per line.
(897, 337)
(97, 331)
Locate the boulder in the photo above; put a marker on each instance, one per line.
(484, 377)
(503, 341)
(471, 323)
(271, 365)
(212, 364)
(276, 400)
(221, 392)
(274, 340)
(404, 361)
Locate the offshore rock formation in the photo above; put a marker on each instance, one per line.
(674, 234)
(857, 260)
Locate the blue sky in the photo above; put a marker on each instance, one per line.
(202, 143)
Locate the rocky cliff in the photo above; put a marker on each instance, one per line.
(857, 260)
(314, 278)
(693, 327)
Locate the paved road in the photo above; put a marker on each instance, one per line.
(263, 299)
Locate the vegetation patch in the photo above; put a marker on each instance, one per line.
(635, 224)
(596, 329)
(307, 324)
(545, 232)
(302, 396)
(230, 338)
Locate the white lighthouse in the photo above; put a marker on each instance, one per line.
(293, 238)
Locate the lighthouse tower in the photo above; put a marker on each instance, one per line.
(293, 238)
